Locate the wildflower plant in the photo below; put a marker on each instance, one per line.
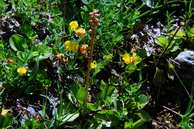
(94, 22)
(78, 59)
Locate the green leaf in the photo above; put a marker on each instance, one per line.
(106, 112)
(106, 91)
(101, 66)
(15, 42)
(24, 57)
(179, 34)
(70, 117)
(93, 107)
(144, 117)
(191, 32)
(141, 101)
(162, 41)
(128, 125)
(79, 93)
(35, 70)
(3, 6)
(109, 114)
(41, 52)
(34, 124)
(5, 122)
(134, 87)
(131, 68)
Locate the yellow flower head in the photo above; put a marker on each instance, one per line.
(129, 59)
(71, 46)
(80, 31)
(22, 70)
(4, 112)
(93, 65)
(67, 44)
(73, 25)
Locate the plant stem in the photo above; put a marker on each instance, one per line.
(172, 110)
(90, 58)
(170, 41)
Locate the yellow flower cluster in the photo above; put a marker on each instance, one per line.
(71, 46)
(128, 59)
(74, 26)
(22, 70)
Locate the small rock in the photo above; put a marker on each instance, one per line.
(185, 65)
(31, 111)
(186, 58)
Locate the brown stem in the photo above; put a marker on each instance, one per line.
(94, 22)
(90, 58)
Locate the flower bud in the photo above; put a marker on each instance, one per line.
(83, 48)
(10, 61)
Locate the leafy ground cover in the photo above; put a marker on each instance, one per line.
(95, 64)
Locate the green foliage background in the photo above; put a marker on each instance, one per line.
(33, 32)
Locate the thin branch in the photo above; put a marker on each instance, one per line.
(171, 110)
(170, 41)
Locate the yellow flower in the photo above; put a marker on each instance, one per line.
(4, 112)
(22, 70)
(80, 31)
(93, 65)
(71, 46)
(67, 44)
(129, 59)
(73, 25)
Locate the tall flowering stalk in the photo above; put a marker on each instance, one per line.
(94, 22)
